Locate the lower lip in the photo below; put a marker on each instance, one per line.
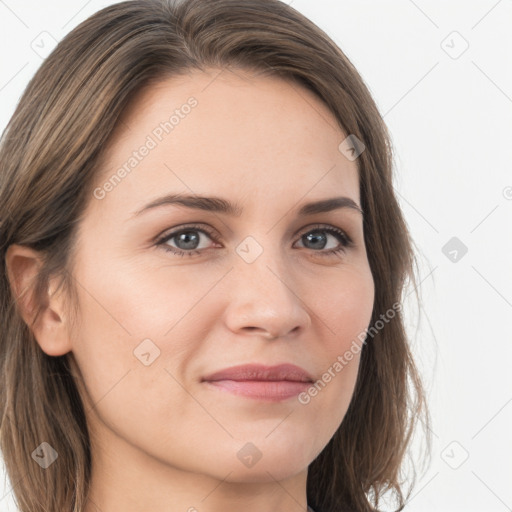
(272, 391)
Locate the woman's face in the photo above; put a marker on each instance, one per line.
(161, 311)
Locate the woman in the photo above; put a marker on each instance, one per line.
(204, 260)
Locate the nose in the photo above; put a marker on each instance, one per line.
(266, 298)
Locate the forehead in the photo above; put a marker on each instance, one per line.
(226, 133)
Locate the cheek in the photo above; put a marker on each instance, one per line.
(135, 325)
(345, 312)
(126, 299)
(348, 309)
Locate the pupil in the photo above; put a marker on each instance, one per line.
(188, 237)
(315, 238)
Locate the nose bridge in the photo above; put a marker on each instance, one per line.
(263, 292)
(260, 263)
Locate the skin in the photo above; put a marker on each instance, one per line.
(161, 439)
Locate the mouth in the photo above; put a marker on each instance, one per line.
(271, 391)
(268, 383)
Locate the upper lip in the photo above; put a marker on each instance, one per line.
(286, 371)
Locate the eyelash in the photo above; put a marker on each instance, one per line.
(345, 240)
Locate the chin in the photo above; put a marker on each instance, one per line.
(258, 461)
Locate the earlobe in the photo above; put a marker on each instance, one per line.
(49, 327)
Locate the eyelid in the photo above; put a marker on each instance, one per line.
(213, 232)
(169, 233)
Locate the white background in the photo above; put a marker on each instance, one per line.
(450, 116)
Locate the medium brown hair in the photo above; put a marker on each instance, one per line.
(50, 155)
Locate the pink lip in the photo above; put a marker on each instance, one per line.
(261, 372)
(271, 383)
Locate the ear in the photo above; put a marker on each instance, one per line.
(50, 329)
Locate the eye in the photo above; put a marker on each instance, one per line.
(188, 240)
(316, 237)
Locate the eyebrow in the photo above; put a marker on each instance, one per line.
(220, 205)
